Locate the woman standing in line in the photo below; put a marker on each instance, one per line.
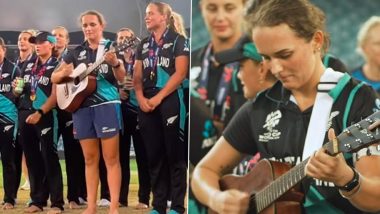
(76, 183)
(8, 127)
(162, 63)
(38, 129)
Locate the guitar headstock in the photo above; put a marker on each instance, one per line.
(128, 43)
(357, 136)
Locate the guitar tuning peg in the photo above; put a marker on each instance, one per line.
(347, 131)
(348, 146)
(369, 120)
(357, 125)
(370, 136)
(359, 141)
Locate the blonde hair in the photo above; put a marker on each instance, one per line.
(32, 32)
(179, 24)
(165, 9)
(65, 30)
(2, 43)
(126, 29)
(364, 31)
(56, 52)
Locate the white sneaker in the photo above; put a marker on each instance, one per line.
(104, 203)
(82, 201)
(25, 186)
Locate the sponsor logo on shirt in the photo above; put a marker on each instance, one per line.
(82, 55)
(272, 120)
(332, 115)
(145, 48)
(107, 129)
(29, 66)
(167, 45)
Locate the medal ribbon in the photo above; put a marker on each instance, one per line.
(154, 49)
(36, 75)
(1, 70)
(223, 87)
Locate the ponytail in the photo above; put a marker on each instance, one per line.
(171, 24)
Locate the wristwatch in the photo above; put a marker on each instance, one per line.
(354, 182)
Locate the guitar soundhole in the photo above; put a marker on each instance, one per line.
(76, 81)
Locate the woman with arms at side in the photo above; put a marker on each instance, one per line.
(162, 63)
(38, 129)
(8, 127)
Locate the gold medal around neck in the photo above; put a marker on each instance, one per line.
(151, 75)
(32, 97)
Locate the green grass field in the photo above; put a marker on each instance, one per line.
(23, 196)
(133, 167)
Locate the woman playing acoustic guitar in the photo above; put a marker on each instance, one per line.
(98, 117)
(276, 122)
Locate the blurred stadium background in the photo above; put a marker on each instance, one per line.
(18, 15)
(344, 18)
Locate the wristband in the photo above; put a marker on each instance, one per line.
(40, 111)
(354, 182)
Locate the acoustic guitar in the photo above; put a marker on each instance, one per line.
(72, 93)
(274, 186)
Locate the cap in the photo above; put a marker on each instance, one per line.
(43, 36)
(245, 49)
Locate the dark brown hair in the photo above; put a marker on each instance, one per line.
(304, 18)
(96, 13)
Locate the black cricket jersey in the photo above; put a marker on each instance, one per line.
(274, 126)
(158, 58)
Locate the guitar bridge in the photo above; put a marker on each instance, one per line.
(66, 90)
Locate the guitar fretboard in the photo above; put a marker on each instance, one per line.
(91, 68)
(350, 140)
(281, 185)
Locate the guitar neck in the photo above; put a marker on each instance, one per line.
(280, 186)
(93, 67)
(352, 139)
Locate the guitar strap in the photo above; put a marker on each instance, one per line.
(102, 48)
(321, 112)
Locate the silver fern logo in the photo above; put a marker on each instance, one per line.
(7, 128)
(45, 131)
(171, 120)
